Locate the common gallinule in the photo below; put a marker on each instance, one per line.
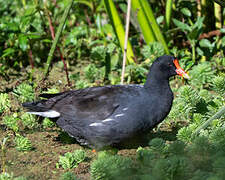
(105, 116)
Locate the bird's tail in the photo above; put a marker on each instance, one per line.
(39, 108)
(35, 106)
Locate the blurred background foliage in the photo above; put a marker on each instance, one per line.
(93, 33)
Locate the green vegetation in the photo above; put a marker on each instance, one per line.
(47, 123)
(23, 143)
(29, 121)
(107, 166)
(88, 41)
(7, 176)
(71, 160)
(24, 92)
(68, 176)
(11, 122)
(4, 102)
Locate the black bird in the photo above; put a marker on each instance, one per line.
(107, 115)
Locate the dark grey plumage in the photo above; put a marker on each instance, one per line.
(102, 116)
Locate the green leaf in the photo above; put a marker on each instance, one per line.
(153, 23)
(196, 28)
(199, 23)
(160, 19)
(205, 43)
(118, 28)
(89, 3)
(199, 51)
(186, 12)
(181, 25)
(223, 41)
(143, 21)
(23, 42)
(169, 4)
(34, 36)
(12, 26)
(8, 51)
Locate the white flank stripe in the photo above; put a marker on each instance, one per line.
(49, 114)
(118, 115)
(96, 124)
(124, 109)
(106, 120)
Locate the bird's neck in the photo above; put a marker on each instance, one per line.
(157, 83)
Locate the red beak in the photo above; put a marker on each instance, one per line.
(179, 70)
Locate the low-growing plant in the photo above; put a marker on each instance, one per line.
(109, 167)
(68, 176)
(11, 121)
(98, 53)
(50, 91)
(81, 84)
(192, 31)
(23, 143)
(71, 160)
(24, 92)
(3, 146)
(136, 73)
(93, 73)
(4, 102)
(187, 103)
(202, 74)
(29, 121)
(144, 156)
(47, 123)
(6, 176)
(152, 51)
(10, 176)
(218, 84)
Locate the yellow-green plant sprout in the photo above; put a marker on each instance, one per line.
(10, 176)
(6, 176)
(4, 102)
(51, 91)
(111, 167)
(11, 121)
(218, 84)
(29, 121)
(68, 176)
(24, 92)
(23, 143)
(3, 154)
(47, 123)
(71, 160)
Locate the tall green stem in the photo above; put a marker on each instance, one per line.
(143, 21)
(58, 33)
(215, 116)
(118, 28)
(218, 15)
(193, 50)
(151, 18)
(169, 4)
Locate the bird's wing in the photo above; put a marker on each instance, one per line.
(96, 103)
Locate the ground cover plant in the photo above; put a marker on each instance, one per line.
(90, 48)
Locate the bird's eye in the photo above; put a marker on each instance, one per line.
(170, 64)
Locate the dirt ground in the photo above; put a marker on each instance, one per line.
(40, 163)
